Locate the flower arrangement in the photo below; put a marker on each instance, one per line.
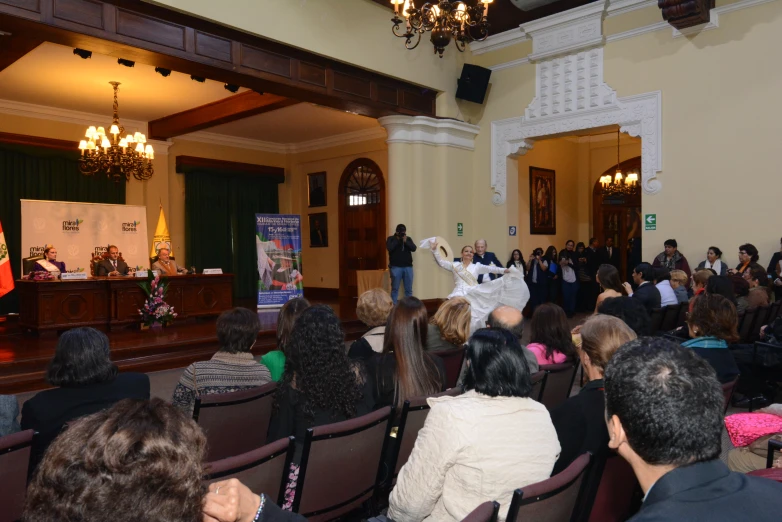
(36, 275)
(156, 310)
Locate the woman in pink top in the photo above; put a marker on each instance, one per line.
(550, 338)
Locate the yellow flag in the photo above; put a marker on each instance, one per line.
(162, 237)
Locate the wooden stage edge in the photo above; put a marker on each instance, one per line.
(24, 356)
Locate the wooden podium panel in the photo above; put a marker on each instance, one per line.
(114, 302)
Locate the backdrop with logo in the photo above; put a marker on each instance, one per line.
(278, 242)
(80, 231)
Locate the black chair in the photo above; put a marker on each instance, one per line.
(761, 319)
(611, 493)
(264, 470)
(727, 390)
(15, 454)
(28, 264)
(552, 500)
(452, 360)
(773, 445)
(486, 512)
(235, 423)
(538, 383)
(774, 312)
(766, 363)
(559, 382)
(656, 320)
(671, 317)
(341, 465)
(682, 320)
(745, 326)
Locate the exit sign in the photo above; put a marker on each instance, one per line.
(459, 229)
(650, 222)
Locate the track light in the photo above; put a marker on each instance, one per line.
(259, 92)
(126, 63)
(165, 73)
(199, 79)
(82, 53)
(231, 87)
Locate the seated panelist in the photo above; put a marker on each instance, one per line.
(49, 262)
(166, 265)
(113, 266)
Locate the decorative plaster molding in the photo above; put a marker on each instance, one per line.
(499, 41)
(567, 32)
(339, 140)
(620, 7)
(508, 65)
(714, 17)
(160, 146)
(430, 131)
(44, 112)
(638, 31)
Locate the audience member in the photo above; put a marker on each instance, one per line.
(231, 501)
(679, 282)
(9, 411)
(517, 260)
(748, 259)
(88, 383)
(552, 258)
(449, 328)
(740, 291)
(593, 261)
(676, 457)
(481, 445)
(580, 420)
(775, 271)
(672, 259)
(372, 309)
(609, 254)
(753, 456)
(275, 359)
(699, 281)
(662, 278)
(320, 385)
(721, 285)
(511, 319)
(404, 369)
(646, 293)
(537, 266)
(759, 294)
(582, 271)
(608, 279)
(568, 262)
(713, 325)
(629, 310)
(231, 368)
(714, 262)
(550, 337)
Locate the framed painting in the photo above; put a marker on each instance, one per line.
(319, 235)
(316, 184)
(542, 201)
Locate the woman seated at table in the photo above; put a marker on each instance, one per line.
(49, 262)
(166, 265)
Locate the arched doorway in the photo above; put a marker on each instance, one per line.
(618, 216)
(362, 222)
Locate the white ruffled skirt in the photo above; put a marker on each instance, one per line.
(508, 290)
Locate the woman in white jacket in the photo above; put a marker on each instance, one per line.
(481, 445)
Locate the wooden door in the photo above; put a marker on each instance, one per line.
(362, 222)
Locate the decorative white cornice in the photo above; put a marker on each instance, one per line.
(508, 65)
(714, 17)
(499, 41)
(339, 140)
(620, 7)
(160, 146)
(430, 131)
(567, 32)
(44, 112)
(638, 31)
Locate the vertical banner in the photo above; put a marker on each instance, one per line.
(278, 241)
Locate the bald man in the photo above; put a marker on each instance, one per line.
(511, 319)
(481, 256)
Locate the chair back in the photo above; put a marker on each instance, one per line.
(774, 312)
(15, 453)
(28, 264)
(236, 422)
(727, 390)
(616, 494)
(761, 320)
(559, 382)
(486, 512)
(766, 359)
(682, 320)
(656, 317)
(264, 470)
(745, 327)
(452, 360)
(552, 500)
(341, 465)
(414, 413)
(670, 317)
(538, 384)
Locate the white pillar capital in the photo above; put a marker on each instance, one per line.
(430, 131)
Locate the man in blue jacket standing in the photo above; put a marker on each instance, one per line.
(485, 258)
(400, 261)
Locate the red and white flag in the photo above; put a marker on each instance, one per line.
(6, 277)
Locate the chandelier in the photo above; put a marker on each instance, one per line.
(619, 185)
(114, 155)
(445, 19)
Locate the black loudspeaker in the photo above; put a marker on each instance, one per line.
(473, 83)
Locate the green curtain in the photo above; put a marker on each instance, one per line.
(39, 173)
(220, 210)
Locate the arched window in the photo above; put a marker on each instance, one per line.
(363, 186)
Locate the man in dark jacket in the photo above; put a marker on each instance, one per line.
(672, 259)
(646, 292)
(400, 261)
(483, 257)
(671, 437)
(609, 254)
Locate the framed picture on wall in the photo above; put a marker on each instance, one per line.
(319, 235)
(542, 201)
(316, 183)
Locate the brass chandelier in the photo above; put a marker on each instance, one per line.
(114, 155)
(619, 184)
(445, 19)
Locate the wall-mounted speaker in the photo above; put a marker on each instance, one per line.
(473, 83)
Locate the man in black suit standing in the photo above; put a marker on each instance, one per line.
(664, 409)
(113, 266)
(646, 292)
(609, 254)
(483, 257)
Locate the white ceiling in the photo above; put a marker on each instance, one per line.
(52, 76)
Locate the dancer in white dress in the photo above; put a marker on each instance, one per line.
(510, 290)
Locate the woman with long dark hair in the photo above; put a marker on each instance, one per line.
(275, 359)
(714, 262)
(608, 279)
(517, 260)
(404, 369)
(553, 274)
(550, 337)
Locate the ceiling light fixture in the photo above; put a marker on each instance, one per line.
(199, 79)
(82, 53)
(445, 19)
(619, 185)
(126, 63)
(165, 73)
(116, 156)
(231, 87)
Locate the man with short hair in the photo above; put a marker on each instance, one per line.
(511, 319)
(646, 292)
(483, 257)
(609, 254)
(672, 259)
(664, 414)
(113, 266)
(591, 289)
(400, 261)
(568, 261)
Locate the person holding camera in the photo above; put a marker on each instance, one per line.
(537, 267)
(568, 262)
(400, 262)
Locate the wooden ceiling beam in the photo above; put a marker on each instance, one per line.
(12, 48)
(236, 107)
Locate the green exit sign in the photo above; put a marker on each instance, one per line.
(459, 229)
(650, 222)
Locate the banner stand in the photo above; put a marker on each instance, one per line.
(278, 243)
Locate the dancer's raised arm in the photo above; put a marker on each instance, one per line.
(444, 263)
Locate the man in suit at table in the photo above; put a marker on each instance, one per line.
(113, 266)
(609, 254)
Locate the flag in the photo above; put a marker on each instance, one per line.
(162, 237)
(6, 277)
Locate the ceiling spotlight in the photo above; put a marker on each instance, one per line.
(259, 92)
(199, 79)
(82, 53)
(126, 63)
(231, 87)
(165, 73)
